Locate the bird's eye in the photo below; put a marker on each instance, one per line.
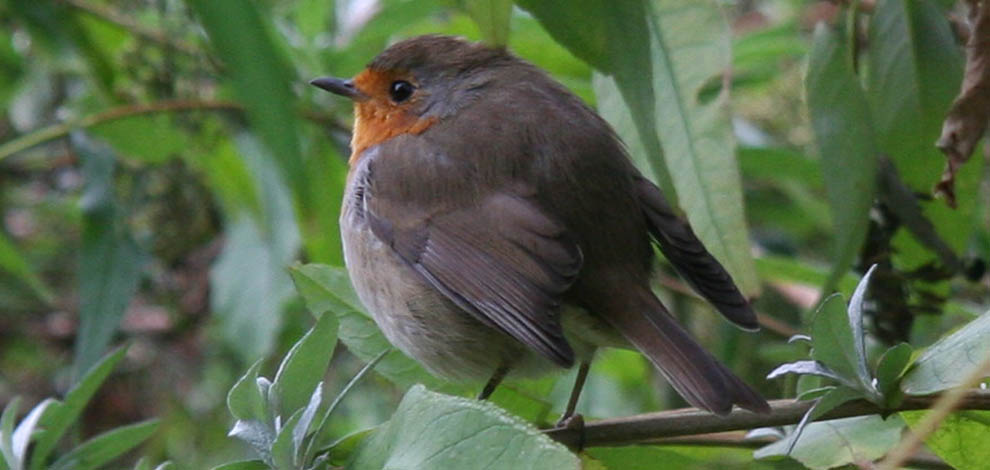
(401, 90)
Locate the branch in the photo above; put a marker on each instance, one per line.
(57, 131)
(691, 421)
(117, 18)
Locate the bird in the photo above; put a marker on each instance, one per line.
(494, 225)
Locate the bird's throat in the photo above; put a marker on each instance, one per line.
(375, 123)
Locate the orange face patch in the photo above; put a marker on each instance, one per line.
(378, 118)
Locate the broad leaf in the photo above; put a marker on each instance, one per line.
(948, 362)
(431, 430)
(833, 443)
(961, 439)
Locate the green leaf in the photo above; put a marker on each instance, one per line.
(435, 431)
(7, 434)
(61, 416)
(662, 54)
(781, 268)
(244, 465)
(248, 280)
(837, 442)
(890, 368)
(150, 138)
(261, 75)
(960, 440)
(283, 450)
(832, 340)
(949, 361)
(109, 259)
(644, 149)
(304, 366)
(342, 450)
(105, 447)
(14, 263)
(327, 288)
(245, 401)
(914, 70)
(829, 400)
(843, 128)
(642, 458)
(492, 18)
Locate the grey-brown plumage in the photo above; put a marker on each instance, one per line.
(506, 227)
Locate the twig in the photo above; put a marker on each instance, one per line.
(952, 400)
(117, 18)
(686, 422)
(60, 130)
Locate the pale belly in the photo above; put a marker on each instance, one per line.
(422, 322)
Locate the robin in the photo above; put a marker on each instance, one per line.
(493, 224)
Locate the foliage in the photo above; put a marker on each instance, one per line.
(165, 165)
(47, 422)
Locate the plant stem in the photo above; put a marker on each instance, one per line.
(691, 421)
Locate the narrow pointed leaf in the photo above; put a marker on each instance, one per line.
(855, 318)
(304, 366)
(890, 368)
(7, 433)
(843, 128)
(105, 447)
(57, 421)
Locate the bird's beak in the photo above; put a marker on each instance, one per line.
(339, 86)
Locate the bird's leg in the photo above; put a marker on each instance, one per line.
(582, 375)
(493, 382)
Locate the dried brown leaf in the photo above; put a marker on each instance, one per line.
(967, 120)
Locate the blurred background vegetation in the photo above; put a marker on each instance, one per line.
(164, 162)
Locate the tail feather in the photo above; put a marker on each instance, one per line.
(693, 372)
(691, 260)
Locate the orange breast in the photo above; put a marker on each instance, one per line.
(378, 119)
(375, 123)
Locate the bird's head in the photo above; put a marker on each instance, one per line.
(414, 84)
